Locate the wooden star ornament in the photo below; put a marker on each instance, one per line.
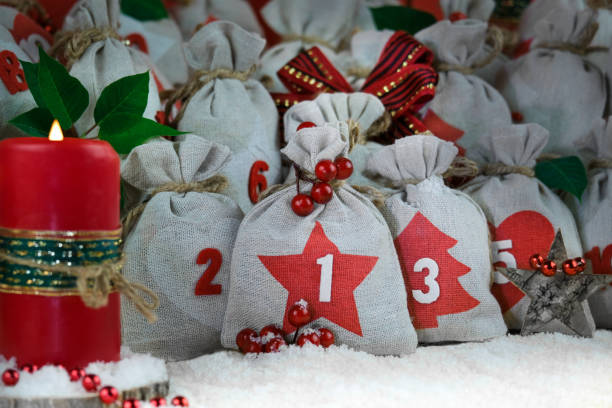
(558, 302)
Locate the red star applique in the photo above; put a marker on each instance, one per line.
(324, 277)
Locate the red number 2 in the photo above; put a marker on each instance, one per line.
(257, 181)
(204, 285)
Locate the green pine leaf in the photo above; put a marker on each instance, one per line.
(401, 18)
(36, 122)
(566, 173)
(31, 75)
(144, 10)
(124, 131)
(126, 95)
(64, 96)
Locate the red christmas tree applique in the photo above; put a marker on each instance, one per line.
(519, 236)
(324, 277)
(431, 273)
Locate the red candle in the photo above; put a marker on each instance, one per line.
(59, 200)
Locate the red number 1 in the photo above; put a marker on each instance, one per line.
(204, 285)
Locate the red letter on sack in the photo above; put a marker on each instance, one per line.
(11, 73)
(257, 181)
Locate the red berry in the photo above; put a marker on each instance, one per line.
(158, 402)
(252, 346)
(345, 168)
(10, 377)
(302, 205)
(327, 337)
(309, 337)
(108, 394)
(326, 170)
(76, 374)
(299, 314)
(549, 268)
(131, 403)
(322, 192)
(456, 16)
(536, 261)
(580, 264)
(271, 330)
(305, 125)
(570, 267)
(517, 117)
(91, 382)
(180, 401)
(244, 336)
(29, 368)
(275, 345)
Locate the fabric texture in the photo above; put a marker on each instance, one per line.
(27, 33)
(238, 114)
(180, 248)
(473, 9)
(523, 214)
(442, 242)
(340, 259)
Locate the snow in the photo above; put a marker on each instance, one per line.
(544, 370)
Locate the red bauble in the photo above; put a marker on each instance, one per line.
(311, 337)
(10, 377)
(299, 314)
(244, 336)
(29, 368)
(275, 345)
(252, 346)
(305, 125)
(322, 192)
(271, 329)
(131, 403)
(326, 337)
(345, 168)
(570, 267)
(326, 170)
(108, 395)
(302, 205)
(536, 261)
(91, 382)
(580, 264)
(180, 401)
(158, 402)
(76, 374)
(517, 117)
(549, 268)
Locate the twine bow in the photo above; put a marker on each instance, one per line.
(309, 39)
(597, 4)
(500, 169)
(600, 164)
(25, 6)
(582, 47)
(71, 45)
(402, 79)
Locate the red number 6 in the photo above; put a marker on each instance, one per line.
(257, 181)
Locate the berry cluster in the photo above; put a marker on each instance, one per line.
(549, 267)
(271, 338)
(91, 383)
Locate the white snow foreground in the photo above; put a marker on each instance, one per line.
(543, 370)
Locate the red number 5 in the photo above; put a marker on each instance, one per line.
(204, 285)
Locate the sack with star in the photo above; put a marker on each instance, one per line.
(553, 84)
(222, 103)
(465, 107)
(338, 257)
(180, 240)
(523, 214)
(97, 56)
(442, 241)
(594, 214)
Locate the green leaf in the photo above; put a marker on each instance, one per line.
(126, 95)
(144, 10)
(31, 75)
(401, 18)
(124, 131)
(36, 122)
(64, 96)
(566, 173)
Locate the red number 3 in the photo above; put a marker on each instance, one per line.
(204, 285)
(257, 181)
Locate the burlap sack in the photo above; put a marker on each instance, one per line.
(594, 214)
(27, 33)
(356, 115)
(180, 248)
(523, 213)
(304, 24)
(465, 107)
(441, 238)
(279, 259)
(231, 108)
(553, 86)
(161, 40)
(473, 9)
(104, 61)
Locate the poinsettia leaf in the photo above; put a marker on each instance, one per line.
(565, 173)
(401, 18)
(64, 96)
(126, 95)
(31, 76)
(35, 122)
(144, 10)
(124, 131)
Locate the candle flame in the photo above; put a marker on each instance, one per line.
(55, 134)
